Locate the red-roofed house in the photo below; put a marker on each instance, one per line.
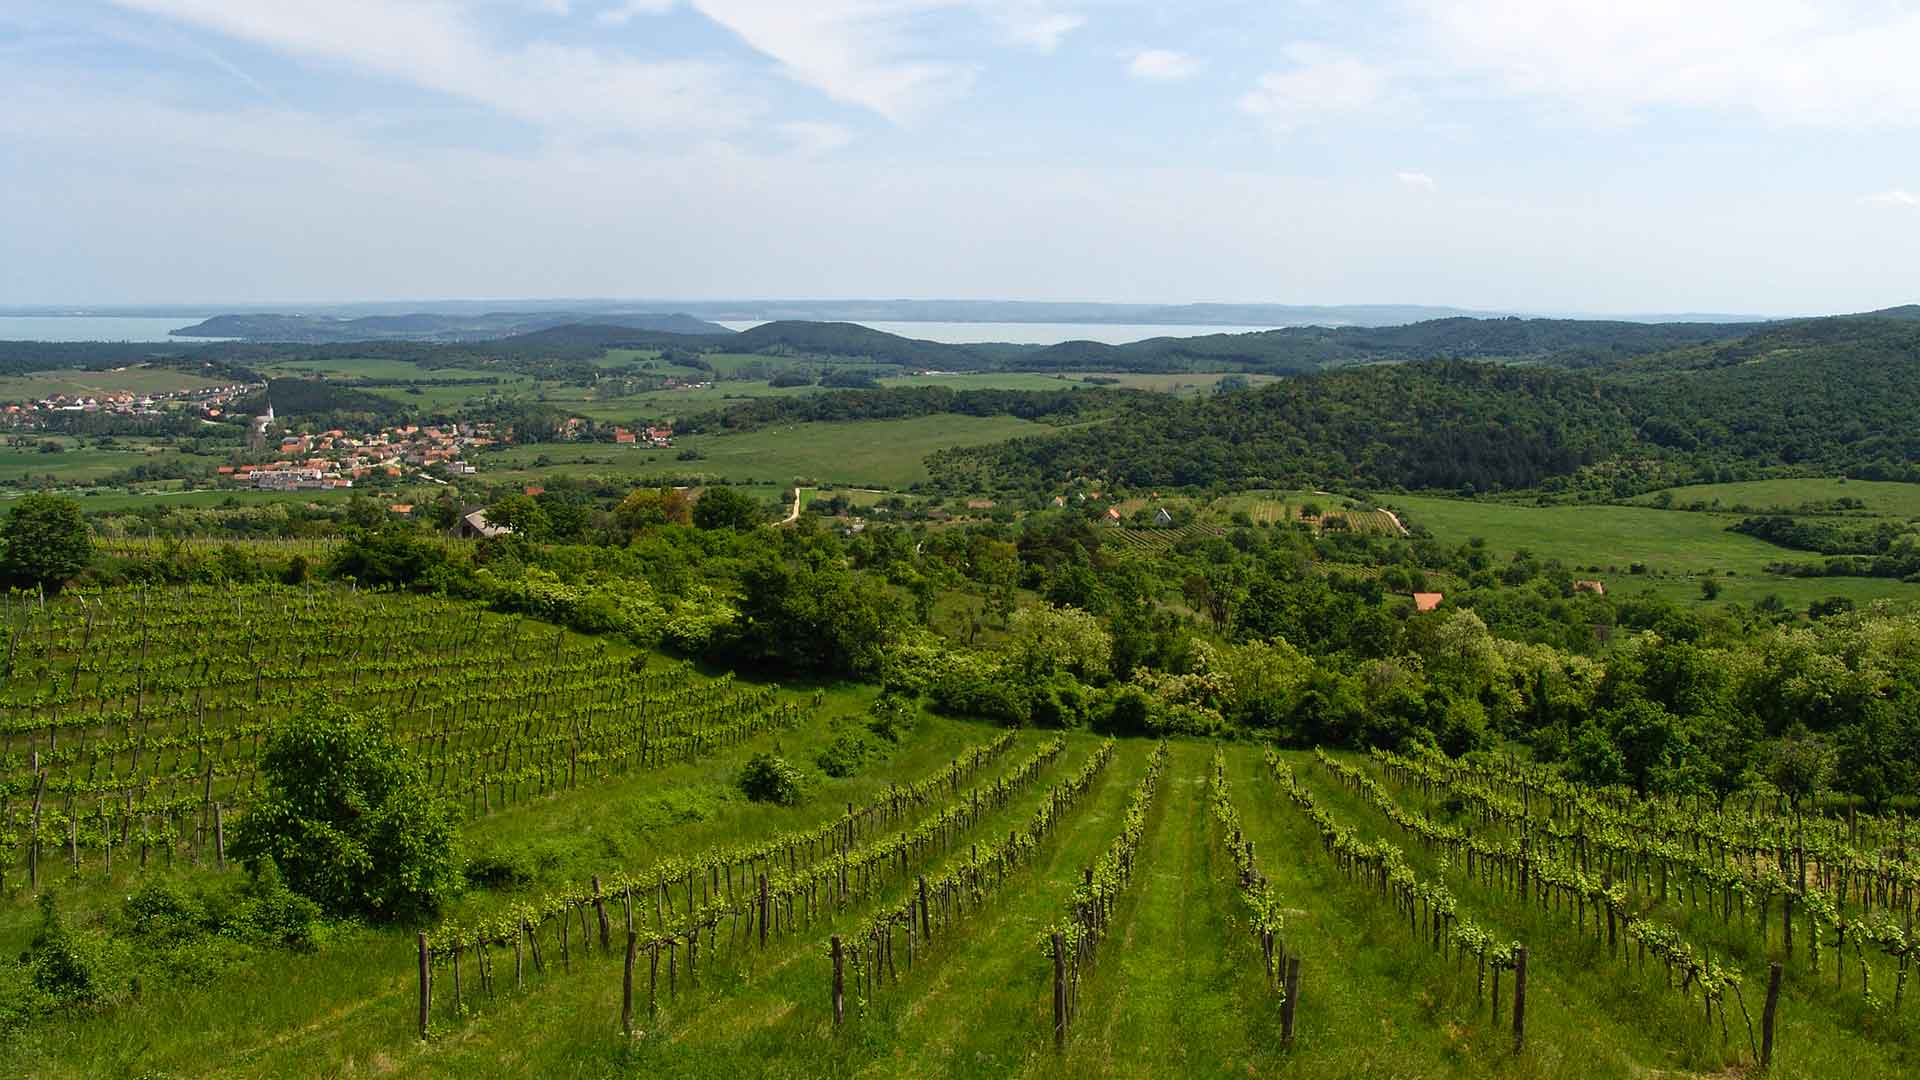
(1427, 601)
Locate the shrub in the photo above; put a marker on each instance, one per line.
(349, 820)
(847, 754)
(892, 716)
(773, 779)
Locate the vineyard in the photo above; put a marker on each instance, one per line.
(981, 903)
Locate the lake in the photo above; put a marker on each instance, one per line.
(1021, 333)
(93, 328)
(140, 328)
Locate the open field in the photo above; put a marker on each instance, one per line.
(1881, 497)
(132, 380)
(1675, 547)
(878, 453)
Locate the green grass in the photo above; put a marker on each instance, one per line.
(1881, 497)
(1177, 988)
(1675, 547)
(878, 453)
(136, 380)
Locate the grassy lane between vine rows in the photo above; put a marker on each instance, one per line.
(350, 1003)
(746, 1000)
(985, 1008)
(1373, 1001)
(1585, 1012)
(793, 1036)
(1821, 1030)
(1179, 989)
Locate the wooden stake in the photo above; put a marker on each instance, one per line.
(1059, 993)
(1766, 1016)
(839, 985)
(1519, 998)
(426, 984)
(1292, 1001)
(626, 985)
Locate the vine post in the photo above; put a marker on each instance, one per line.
(1292, 999)
(1519, 998)
(1059, 992)
(1766, 1016)
(839, 985)
(426, 983)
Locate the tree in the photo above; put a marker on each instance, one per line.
(646, 508)
(726, 508)
(350, 820)
(1709, 588)
(1045, 639)
(47, 542)
(521, 514)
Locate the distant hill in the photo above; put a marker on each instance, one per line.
(1832, 395)
(325, 330)
(1311, 348)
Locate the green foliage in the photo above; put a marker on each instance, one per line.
(848, 753)
(767, 778)
(47, 541)
(350, 820)
(727, 508)
(396, 556)
(521, 514)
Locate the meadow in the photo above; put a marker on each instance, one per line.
(1676, 548)
(879, 453)
(73, 382)
(1881, 498)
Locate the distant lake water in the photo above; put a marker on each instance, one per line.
(93, 328)
(1021, 333)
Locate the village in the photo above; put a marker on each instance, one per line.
(210, 401)
(435, 452)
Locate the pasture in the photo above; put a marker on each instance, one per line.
(1676, 548)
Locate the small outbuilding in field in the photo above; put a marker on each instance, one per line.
(1427, 601)
(1594, 587)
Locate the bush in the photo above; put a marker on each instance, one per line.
(773, 779)
(847, 754)
(350, 820)
(892, 716)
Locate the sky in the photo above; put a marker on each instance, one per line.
(1752, 156)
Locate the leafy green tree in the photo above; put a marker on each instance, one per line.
(1045, 639)
(350, 819)
(521, 514)
(726, 508)
(1801, 765)
(47, 541)
(646, 508)
(767, 778)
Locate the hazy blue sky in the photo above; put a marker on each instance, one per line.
(1613, 155)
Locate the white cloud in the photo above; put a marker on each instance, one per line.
(1416, 181)
(436, 45)
(856, 51)
(1896, 197)
(876, 53)
(628, 10)
(1826, 63)
(810, 137)
(1323, 84)
(1162, 65)
(1033, 24)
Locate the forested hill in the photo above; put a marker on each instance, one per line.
(1570, 342)
(1442, 424)
(1835, 395)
